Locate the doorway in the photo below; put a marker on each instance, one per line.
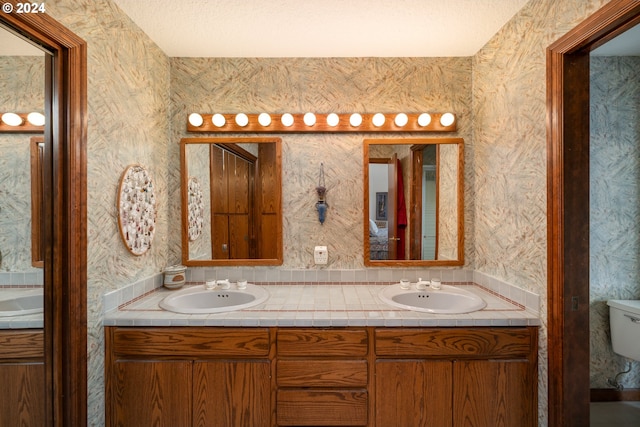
(64, 223)
(568, 143)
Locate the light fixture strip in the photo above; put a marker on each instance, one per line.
(25, 127)
(321, 125)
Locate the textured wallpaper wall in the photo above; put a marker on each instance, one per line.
(614, 240)
(509, 151)
(139, 101)
(21, 90)
(128, 123)
(321, 85)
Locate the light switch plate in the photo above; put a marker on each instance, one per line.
(320, 255)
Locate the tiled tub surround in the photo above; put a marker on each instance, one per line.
(29, 321)
(321, 304)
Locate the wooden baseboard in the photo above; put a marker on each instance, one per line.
(612, 395)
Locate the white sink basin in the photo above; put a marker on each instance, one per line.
(198, 300)
(20, 303)
(447, 300)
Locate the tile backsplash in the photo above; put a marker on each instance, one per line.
(112, 300)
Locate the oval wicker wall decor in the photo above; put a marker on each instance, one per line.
(196, 209)
(136, 209)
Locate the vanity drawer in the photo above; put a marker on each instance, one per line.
(322, 408)
(322, 342)
(191, 342)
(322, 373)
(456, 342)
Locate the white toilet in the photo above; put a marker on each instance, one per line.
(624, 317)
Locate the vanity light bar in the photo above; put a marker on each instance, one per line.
(311, 122)
(22, 122)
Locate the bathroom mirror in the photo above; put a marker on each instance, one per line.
(414, 202)
(231, 192)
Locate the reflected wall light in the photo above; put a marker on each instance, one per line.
(264, 119)
(309, 119)
(11, 119)
(378, 119)
(401, 119)
(194, 118)
(447, 119)
(287, 119)
(218, 120)
(242, 120)
(333, 119)
(36, 119)
(355, 119)
(424, 119)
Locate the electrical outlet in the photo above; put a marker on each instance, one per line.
(320, 255)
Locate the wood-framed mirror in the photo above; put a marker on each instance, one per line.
(231, 201)
(63, 225)
(413, 202)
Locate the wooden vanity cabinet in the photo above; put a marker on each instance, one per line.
(480, 377)
(377, 377)
(322, 377)
(188, 376)
(22, 378)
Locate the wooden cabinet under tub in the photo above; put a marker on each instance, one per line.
(22, 377)
(384, 377)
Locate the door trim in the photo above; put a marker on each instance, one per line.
(65, 274)
(568, 208)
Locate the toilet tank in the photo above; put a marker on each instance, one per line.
(624, 317)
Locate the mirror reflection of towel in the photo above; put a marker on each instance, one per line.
(401, 213)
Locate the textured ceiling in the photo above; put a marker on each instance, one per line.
(320, 28)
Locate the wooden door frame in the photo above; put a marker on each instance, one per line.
(568, 208)
(65, 207)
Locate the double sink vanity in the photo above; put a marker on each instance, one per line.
(346, 354)
(329, 352)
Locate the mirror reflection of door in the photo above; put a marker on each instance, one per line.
(429, 244)
(22, 371)
(231, 200)
(232, 192)
(414, 201)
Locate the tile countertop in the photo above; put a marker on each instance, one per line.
(322, 305)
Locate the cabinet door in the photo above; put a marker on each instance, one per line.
(494, 393)
(413, 393)
(154, 394)
(231, 393)
(22, 394)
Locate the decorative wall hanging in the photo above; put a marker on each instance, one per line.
(321, 204)
(136, 209)
(315, 123)
(196, 208)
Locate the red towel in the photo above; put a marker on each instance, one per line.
(401, 213)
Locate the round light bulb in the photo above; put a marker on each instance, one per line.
(36, 119)
(218, 120)
(195, 119)
(447, 119)
(286, 119)
(309, 119)
(401, 119)
(355, 120)
(242, 120)
(11, 119)
(378, 119)
(333, 119)
(264, 119)
(424, 119)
